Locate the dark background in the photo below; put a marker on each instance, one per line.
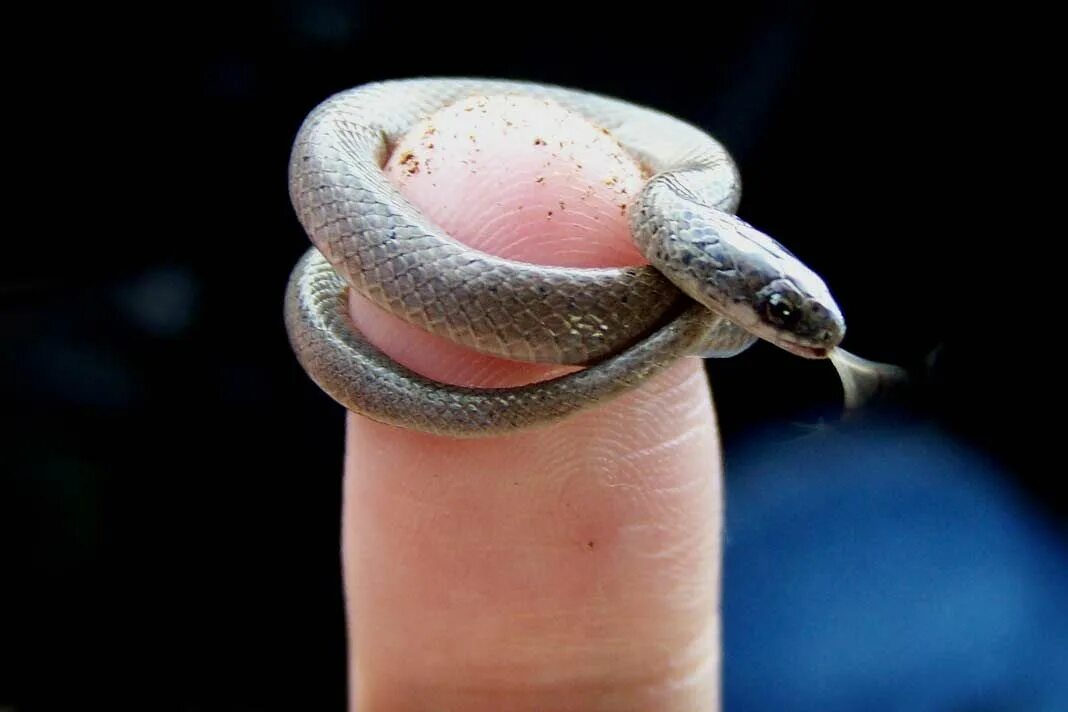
(170, 482)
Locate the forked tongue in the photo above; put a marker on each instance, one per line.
(865, 381)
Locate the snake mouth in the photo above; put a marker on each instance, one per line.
(803, 350)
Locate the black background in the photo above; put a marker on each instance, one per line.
(170, 490)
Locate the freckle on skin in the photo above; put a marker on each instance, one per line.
(583, 196)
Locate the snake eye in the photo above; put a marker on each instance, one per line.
(780, 311)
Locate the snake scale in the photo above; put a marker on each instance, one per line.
(714, 284)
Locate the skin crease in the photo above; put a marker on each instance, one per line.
(569, 568)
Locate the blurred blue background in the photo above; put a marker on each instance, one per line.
(169, 510)
(885, 566)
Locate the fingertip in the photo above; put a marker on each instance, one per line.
(519, 178)
(575, 563)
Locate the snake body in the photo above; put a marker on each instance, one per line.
(714, 284)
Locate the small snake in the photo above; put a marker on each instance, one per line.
(713, 286)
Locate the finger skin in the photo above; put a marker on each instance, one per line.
(573, 567)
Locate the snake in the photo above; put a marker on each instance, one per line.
(713, 285)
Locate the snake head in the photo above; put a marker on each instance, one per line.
(803, 321)
(769, 292)
(734, 269)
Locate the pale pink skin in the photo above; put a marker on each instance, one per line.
(571, 568)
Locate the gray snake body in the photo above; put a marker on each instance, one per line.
(714, 283)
